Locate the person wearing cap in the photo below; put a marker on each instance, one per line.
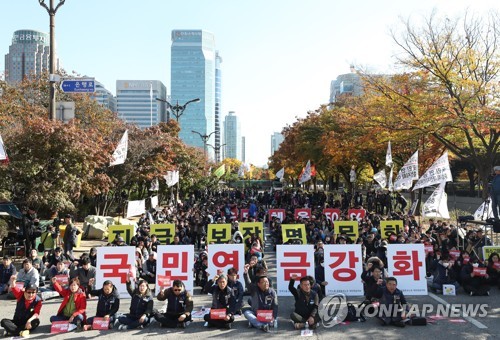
(26, 316)
(70, 236)
(7, 270)
(495, 193)
(149, 268)
(108, 304)
(222, 298)
(179, 306)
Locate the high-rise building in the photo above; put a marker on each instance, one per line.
(218, 106)
(136, 101)
(348, 84)
(28, 55)
(276, 139)
(232, 136)
(193, 76)
(243, 151)
(104, 97)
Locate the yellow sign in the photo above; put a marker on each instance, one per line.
(164, 232)
(389, 227)
(219, 233)
(488, 250)
(125, 231)
(294, 232)
(347, 228)
(247, 229)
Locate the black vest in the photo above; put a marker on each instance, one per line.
(177, 304)
(22, 314)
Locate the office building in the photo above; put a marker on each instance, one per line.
(104, 97)
(193, 62)
(218, 106)
(348, 84)
(136, 104)
(276, 139)
(28, 55)
(232, 135)
(243, 151)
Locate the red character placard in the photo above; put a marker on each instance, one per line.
(175, 262)
(356, 214)
(278, 213)
(406, 262)
(479, 271)
(343, 267)
(114, 263)
(332, 214)
(265, 315)
(293, 260)
(222, 257)
(304, 213)
(100, 324)
(244, 214)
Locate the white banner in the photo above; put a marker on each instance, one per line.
(176, 262)
(136, 208)
(114, 263)
(388, 156)
(120, 154)
(154, 202)
(481, 214)
(290, 260)
(437, 173)
(281, 173)
(407, 173)
(381, 178)
(3, 153)
(437, 203)
(406, 262)
(172, 177)
(222, 257)
(390, 185)
(343, 269)
(306, 174)
(155, 186)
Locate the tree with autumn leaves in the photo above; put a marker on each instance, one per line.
(58, 167)
(446, 98)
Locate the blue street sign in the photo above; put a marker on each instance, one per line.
(78, 85)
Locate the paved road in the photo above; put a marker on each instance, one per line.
(477, 328)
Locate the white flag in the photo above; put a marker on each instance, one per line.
(280, 174)
(390, 185)
(120, 154)
(3, 153)
(388, 155)
(155, 186)
(381, 178)
(407, 173)
(437, 173)
(437, 203)
(306, 174)
(172, 177)
(481, 214)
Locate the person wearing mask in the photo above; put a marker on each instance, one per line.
(443, 274)
(179, 306)
(263, 298)
(108, 304)
(222, 298)
(473, 282)
(141, 306)
(306, 303)
(27, 313)
(74, 304)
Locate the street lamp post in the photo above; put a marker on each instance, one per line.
(217, 150)
(204, 138)
(178, 110)
(52, 67)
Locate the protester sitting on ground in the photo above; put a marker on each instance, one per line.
(306, 303)
(493, 269)
(27, 274)
(222, 299)
(141, 306)
(59, 272)
(394, 301)
(27, 313)
(7, 270)
(55, 257)
(373, 279)
(179, 306)
(149, 268)
(74, 303)
(237, 287)
(443, 274)
(264, 298)
(473, 282)
(108, 304)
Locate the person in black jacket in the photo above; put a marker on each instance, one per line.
(306, 303)
(141, 306)
(394, 301)
(222, 298)
(237, 287)
(179, 306)
(7, 269)
(26, 317)
(107, 305)
(473, 283)
(263, 298)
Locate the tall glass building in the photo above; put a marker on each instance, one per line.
(136, 102)
(276, 139)
(28, 55)
(218, 107)
(104, 97)
(193, 76)
(232, 136)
